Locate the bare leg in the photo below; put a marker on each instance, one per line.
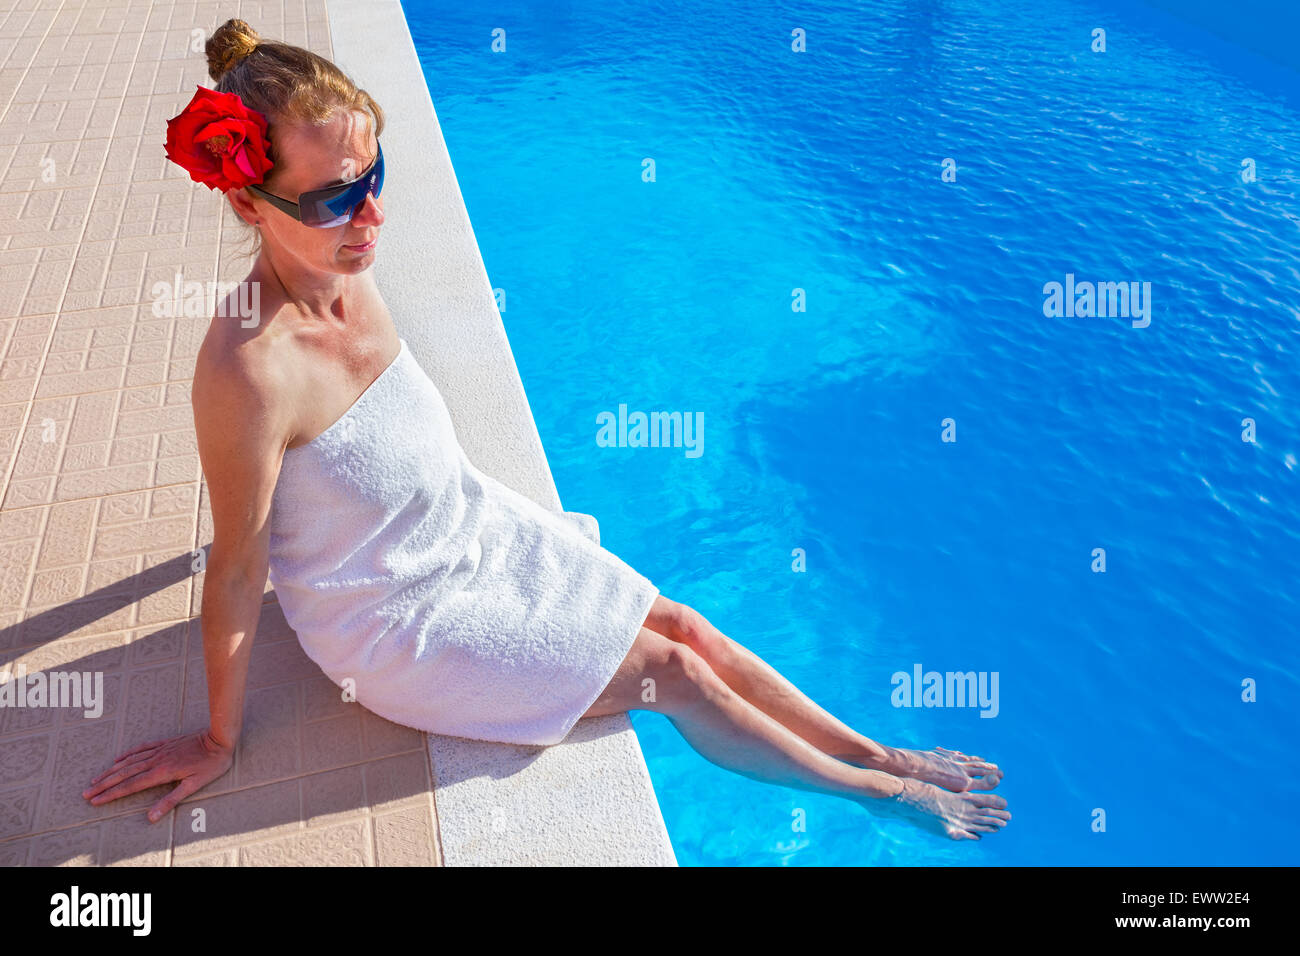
(757, 682)
(729, 731)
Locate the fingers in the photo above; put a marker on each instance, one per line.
(134, 782)
(121, 763)
(135, 750)
(167, 803)
(116, 774)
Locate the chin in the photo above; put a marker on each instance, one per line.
(354, 259)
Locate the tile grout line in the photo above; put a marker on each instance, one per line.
(99, 184)
(27, 69)
(190, 802)
(101, 391)
(31, 404)
(31, 401)
(190, 622)
(23, 650)
(103, 495)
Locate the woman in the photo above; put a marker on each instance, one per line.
(442, 598)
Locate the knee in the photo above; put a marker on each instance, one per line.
(686, 679)
(690, 628)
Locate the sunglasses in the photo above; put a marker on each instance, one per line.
(333, 205)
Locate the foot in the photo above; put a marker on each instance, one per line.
(950, 769)
(958, 816)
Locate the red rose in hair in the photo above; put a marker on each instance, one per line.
(219, 141)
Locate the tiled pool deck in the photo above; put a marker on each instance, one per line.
(103, 511)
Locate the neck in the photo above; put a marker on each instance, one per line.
(326, 297)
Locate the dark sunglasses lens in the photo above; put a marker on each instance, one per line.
(326, 208)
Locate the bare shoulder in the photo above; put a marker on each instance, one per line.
(238, 378)
(243, 422)
(242, 398)
(236, 371)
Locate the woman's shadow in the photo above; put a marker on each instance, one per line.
(316, 778)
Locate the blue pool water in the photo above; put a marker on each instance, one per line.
(822, 172)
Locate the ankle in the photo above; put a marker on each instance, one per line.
(884, 793)
(883, 758)
(874, 756)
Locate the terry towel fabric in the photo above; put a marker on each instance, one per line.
(456, 604)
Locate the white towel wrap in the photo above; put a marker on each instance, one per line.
(457, 605)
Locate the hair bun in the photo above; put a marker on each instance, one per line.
(231, 42)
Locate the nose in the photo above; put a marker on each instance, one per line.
(370, 212)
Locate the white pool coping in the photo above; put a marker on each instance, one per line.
(587, 801)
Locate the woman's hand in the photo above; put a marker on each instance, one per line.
(194, 759)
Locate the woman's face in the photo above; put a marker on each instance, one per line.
(308, 158)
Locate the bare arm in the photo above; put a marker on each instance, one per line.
(242, 433)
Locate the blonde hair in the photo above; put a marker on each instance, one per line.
(289, 85)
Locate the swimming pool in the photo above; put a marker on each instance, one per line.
(925, 301)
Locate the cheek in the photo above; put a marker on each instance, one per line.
(315, 247)
(317, 244)
(295, 237)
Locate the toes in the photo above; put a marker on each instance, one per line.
(989, 800)
(985, 780)
(1000, 814)
(983, 829)
(994, 822)
(960, 757)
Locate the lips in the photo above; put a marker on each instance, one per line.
(363, 247)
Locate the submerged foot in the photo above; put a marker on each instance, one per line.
(950, 769)
(958, 816)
